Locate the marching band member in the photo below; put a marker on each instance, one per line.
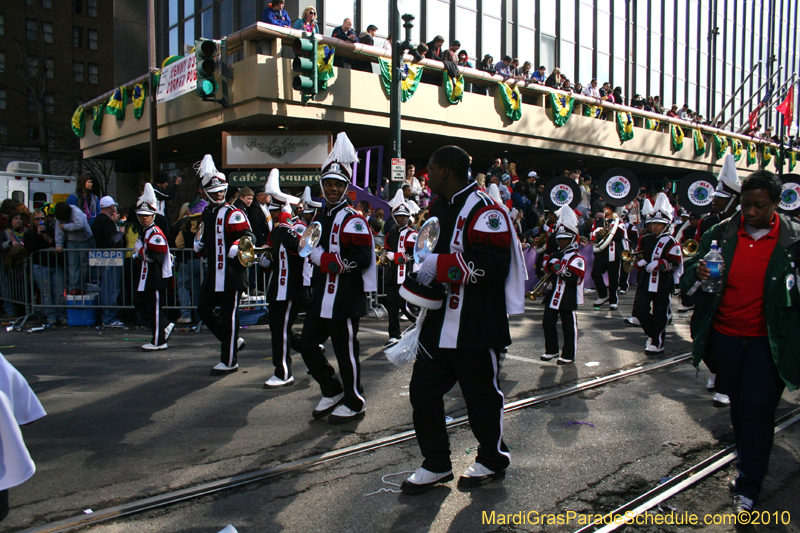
(630, 234)
(663, 263)
(647, 213)
(399, 248)
(152, 250)
(223, 226)
(545, 245)
(309, 210)
(607, 260)
(569, 268)
(481, 266)
(286, 294)
(345, 271)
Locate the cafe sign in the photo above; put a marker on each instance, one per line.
(264, 150)
(259, 179)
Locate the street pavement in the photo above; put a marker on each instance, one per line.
(124, 424)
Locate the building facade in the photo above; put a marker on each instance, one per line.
(696, 52)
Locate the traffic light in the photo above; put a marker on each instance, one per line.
(305, 48)
(207, 57)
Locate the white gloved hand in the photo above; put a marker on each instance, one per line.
(390, 256)
(427, 272)
(316, 255)
(198, 246)
(234, 251)
(642, 263)
(264, 261)
(137, 246)
(652, 265)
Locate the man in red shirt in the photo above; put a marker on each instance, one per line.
(750, 326)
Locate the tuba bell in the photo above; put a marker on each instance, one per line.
(606, 234)
(689, 248)
(248, 253)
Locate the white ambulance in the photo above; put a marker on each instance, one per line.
(25, 182)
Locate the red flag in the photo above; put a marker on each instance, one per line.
(787, 107)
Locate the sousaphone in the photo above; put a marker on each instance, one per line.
(790, 195)
(618, 187)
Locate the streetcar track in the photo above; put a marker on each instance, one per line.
(204, 489)
(681, 482)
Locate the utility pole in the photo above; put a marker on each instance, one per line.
(151, 49)
(395, 98)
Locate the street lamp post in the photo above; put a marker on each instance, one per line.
(398, 48)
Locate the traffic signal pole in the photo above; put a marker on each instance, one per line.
(395, 98)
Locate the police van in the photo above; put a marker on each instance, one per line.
(24, 181)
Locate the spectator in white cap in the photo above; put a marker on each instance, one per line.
(108, 235)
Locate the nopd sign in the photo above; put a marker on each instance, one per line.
(269, 150)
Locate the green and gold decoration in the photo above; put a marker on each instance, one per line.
(737, 147)
(593, 111)
(116, 104)
(676, 136)
(562, 106)
(792, 160)
(651, 124)
(138, 97)
(720, 145)
(324, 65)
(625, 127)
(699, 142)
(453, 88)
(79, 122)
(751, 153)
(512, 101)
(97, 116)
(778, 159)
(409, 75)
(766, 155)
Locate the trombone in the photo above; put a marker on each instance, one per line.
(540, 287)
(629, 259)
(248, 252)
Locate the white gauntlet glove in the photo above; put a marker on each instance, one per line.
(427, 272)
(234, 251)
(652, 265)
(390, 256)
(642, 263)
(198, 246)
(264, 261)
(316, 255)
(137, 246)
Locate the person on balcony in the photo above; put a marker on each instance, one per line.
(345, 32)
(277, 16)
(554, 79)
(308, 22)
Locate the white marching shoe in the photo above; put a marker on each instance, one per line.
(221, 369)
(424, 480)
(600, 301)
(326, 405)
(721, 400)
(150, 347)
(275, 382)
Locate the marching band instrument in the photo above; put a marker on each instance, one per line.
(606, 234)
(540, 287)
(629, 259)
(427, 238)
(198, 235)
(380, 256)
(248, 253)
(310, 239)
(689, 248)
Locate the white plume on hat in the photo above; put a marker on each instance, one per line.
(308, 202)
(647, 209)
(400, 201)
(662, 209)
(728, 183)
(211, 179)
(494, 193)
(339, 163)
(146, 205)
(567, 223)
(273, 188)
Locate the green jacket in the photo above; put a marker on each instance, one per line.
(781, 294)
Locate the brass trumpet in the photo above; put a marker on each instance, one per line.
(248, 253)
(689, 248)
(540, 287)
(629, 258)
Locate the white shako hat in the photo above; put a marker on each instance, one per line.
(662, 210)
(494, 193)
(339, 164)
(278, 199)
(146, 204)
(567, 223)
(308, 202)
(399, 200)
(211, 179)
(728, 184)
(647, 211)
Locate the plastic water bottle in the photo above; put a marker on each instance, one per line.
(714, 263)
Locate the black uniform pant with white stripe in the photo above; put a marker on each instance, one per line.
(435, 373)
(393, 305)
(601, 266)
(225, 325)
(342, 332)
(150, 304)
(624, 278)
(569, 325)
(282, 315)
(654, 322)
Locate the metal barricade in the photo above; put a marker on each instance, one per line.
(15, 290)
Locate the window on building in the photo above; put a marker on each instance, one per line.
(2, 98)
(92, 8)
(30, 29)
(77, 6)
(77, 69)
(31, 104)
(33, 67)
(226, 17)
(2, 24)
(49, 104)
(47, 4)
(91, 39)
(3, 133)
(77, 37)
(93, 73)
(47, 32)
(33, 137)
(2, 61)
(49, 67)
